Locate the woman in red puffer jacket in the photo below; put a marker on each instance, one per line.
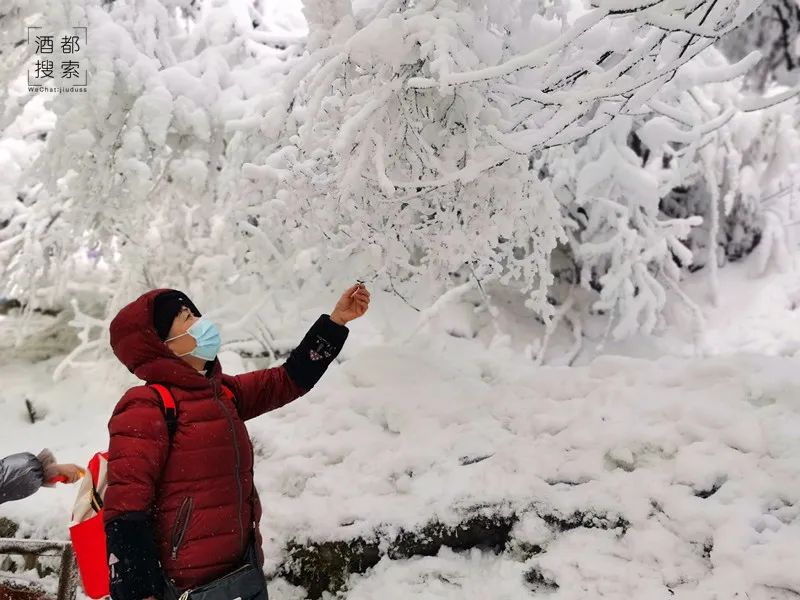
(184, 506)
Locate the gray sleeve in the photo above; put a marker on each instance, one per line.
(20, 476)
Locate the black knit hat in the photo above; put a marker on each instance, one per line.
(166, 307)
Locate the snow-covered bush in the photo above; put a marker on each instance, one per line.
(644, 195)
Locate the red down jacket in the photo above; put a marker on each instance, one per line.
(196, 499)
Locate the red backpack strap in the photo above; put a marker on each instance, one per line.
(228, 393)
(170, 408)
(230, 396)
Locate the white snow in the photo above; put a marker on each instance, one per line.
(340, 139)
(410, 429)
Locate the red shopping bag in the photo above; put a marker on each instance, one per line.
(88, 532)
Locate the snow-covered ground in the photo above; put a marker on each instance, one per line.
(699, 454)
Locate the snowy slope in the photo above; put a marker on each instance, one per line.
(636, 439)
(700, 457)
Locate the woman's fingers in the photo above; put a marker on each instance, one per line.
(355, 299)
(357, 292)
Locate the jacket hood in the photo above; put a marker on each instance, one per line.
(137, 346)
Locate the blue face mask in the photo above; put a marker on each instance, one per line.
(206, 336)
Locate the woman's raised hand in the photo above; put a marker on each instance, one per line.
(353, 304)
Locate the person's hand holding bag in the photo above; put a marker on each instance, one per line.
(352, 304)
(54, 472)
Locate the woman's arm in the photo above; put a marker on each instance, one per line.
(261, 391)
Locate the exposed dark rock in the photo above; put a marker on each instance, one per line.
(588, 520)
(326, 566)
(477, 531)
(710, 492)
(8, 528)
(10, 591)
(538, 582)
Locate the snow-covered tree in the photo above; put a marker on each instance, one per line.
(775, 30)
(400, 142)
(425, 125)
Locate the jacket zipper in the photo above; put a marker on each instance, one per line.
(179, 530)
(215, 386)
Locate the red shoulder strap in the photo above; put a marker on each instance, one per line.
(170, 410)
(166, 397)
(168, 401)
(228, 393)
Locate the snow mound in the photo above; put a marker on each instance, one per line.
(700, 457)
(697, 459)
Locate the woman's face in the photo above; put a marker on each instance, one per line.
(185, 343)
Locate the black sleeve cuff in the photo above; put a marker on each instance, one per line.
(320, 346)
(133, 559)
